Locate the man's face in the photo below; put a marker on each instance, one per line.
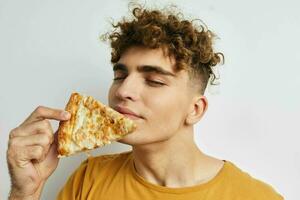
(147, 90)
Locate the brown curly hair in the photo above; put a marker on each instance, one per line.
(191, 46)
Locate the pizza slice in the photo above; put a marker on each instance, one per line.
(91, 125)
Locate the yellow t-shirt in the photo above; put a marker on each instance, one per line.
(113, 177)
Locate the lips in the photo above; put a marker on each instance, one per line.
(127, 112)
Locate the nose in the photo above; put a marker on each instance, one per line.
(128, 89)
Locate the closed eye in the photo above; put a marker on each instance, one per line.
(154, 83)
(149, 82)
(119, 78)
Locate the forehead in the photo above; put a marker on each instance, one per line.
(139, 56)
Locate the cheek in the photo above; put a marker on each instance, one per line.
(166, 114)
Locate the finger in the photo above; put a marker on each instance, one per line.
(42, 112)
(42, 139)
(42, 126)
(35, 152)
(17, 146)
(21, 156)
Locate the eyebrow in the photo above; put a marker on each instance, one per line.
(144, 69)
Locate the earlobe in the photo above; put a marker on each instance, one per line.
(198, 108)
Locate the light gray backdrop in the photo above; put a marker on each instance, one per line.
(50, 48)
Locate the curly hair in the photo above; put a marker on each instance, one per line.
(191, 46)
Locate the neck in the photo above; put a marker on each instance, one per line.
(176, 162)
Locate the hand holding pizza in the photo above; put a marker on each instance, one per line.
(32, 153)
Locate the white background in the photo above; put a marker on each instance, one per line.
(50, 48)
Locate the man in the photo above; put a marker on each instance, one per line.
(162, 65)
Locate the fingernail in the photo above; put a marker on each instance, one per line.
(66, 114)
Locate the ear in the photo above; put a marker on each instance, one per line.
(198, 108)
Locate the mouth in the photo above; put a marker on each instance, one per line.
(128, 113)
(130, 116)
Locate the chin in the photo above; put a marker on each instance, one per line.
(133, 139)
(139, 139)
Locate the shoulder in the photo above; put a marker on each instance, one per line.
(249, 187)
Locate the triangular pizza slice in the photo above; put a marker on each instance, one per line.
(92, 125)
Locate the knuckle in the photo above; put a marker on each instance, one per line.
(38, 151)
(12, 151)
(45, 139)
(10, 154)
(46, 124)
(12, 143)
(13, 133)
(39, 109)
